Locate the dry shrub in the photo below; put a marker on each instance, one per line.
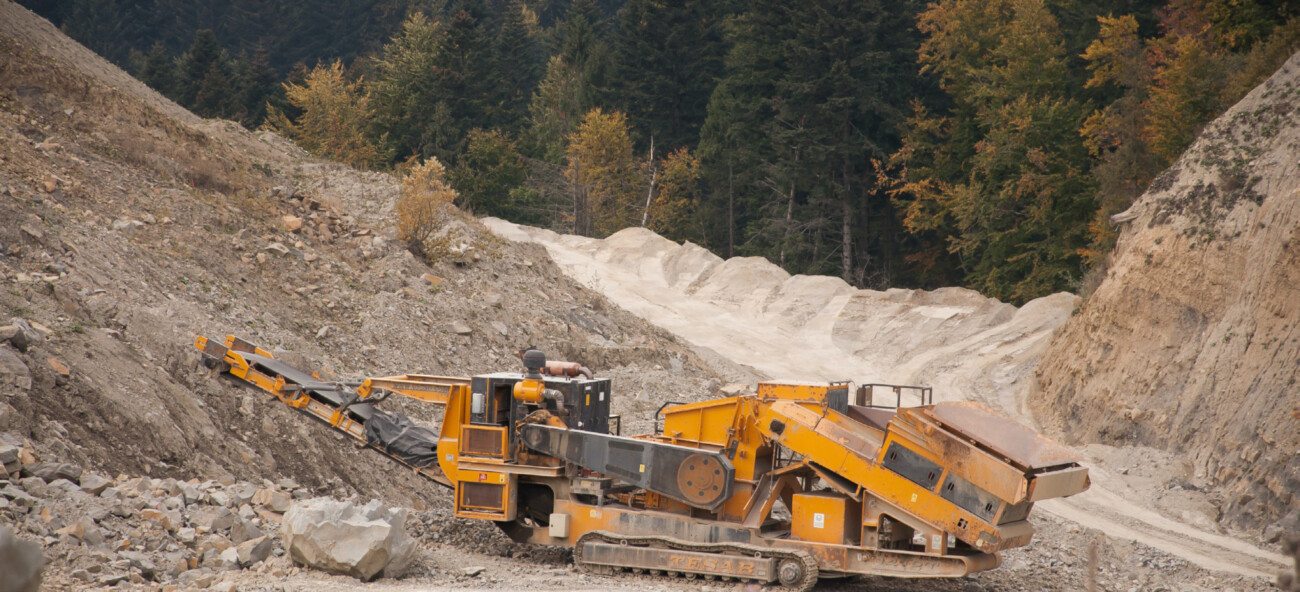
(208, 174)
(178, 161)
(424, 208)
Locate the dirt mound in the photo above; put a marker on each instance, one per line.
(752, 312)
(1191, 342)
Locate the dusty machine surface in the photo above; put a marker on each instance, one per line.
(794, 483)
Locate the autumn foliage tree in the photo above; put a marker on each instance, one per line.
(1115, 134)
(335, 117)
(1205, 56)
(607, 180)
(916, 143)
(677, 190)
(1003, 176)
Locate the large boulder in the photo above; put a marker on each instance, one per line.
(364, 542)
(20, 562)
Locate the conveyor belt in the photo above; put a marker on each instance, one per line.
(325, 392)
(392, 434)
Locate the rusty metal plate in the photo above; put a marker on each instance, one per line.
(1002, 435)
(700, 478)
(1058, 483)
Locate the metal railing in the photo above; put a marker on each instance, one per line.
(866, 394)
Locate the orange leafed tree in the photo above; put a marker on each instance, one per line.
(336, 113)
(673, 209)
(607, 179)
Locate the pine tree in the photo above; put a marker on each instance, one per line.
(488, 177)
(159, 71)
(436, 82)
(669, 56)
(572, 85)
(215, 96)
(582, 46)
(472, 87)
(203, 56)
(256, 84)
(554, 112)
(814, 92)
(1015, 197)
(519, 62)
(110, 28)
(408, 105)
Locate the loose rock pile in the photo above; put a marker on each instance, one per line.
(105, 531)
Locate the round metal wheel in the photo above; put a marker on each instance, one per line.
(790, 572)
(699, 478)
(691, 575)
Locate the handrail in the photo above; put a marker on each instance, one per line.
(866, 394)
(659, 429)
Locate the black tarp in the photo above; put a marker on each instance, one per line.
(397, 435)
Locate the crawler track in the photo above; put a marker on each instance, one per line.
(797, 570)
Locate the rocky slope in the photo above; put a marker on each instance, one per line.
(1192, 342)
(131, 226)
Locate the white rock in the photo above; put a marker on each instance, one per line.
(230, 558)
(364, 542)
(127, 225)
(277, 248)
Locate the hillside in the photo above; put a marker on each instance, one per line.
(1191, 342)
(133, 226)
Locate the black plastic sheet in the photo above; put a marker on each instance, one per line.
(397, 435)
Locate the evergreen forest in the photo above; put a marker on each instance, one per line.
(977, 143)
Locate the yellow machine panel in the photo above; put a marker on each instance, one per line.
(826, 517)
(485, 495)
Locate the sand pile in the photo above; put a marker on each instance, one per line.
(802, 327)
